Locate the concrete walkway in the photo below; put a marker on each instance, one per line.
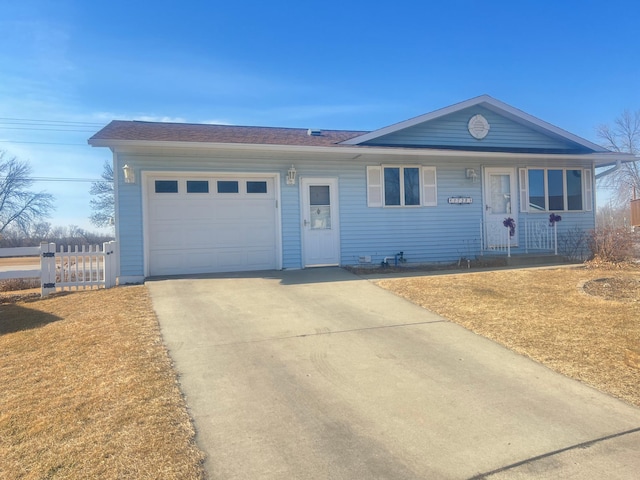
(319, 374)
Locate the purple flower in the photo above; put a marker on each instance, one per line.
(510, 223)
(553, 218)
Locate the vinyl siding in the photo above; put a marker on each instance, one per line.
(424, 234)
(451, 131)
(291, 239)
(443, 233)
(129, 227)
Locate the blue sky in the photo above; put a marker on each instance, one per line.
(68, 67)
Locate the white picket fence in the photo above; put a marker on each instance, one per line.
(70, 268)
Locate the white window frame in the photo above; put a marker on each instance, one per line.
(427, 186)
(586, 187)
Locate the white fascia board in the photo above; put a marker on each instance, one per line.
(134, 146)
(493, 105)
(518, 115)
(416, 120)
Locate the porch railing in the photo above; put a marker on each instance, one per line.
(539, 237)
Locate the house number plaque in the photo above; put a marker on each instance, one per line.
(460, 200)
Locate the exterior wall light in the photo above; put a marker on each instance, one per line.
(291, 176)
(471, 173)
(129, 174)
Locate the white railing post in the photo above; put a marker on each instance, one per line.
(555, 237)
(47, 268)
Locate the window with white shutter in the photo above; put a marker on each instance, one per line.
(401, 186)
(374, 186)
(524, 191)
(429, 187)
(588, 190)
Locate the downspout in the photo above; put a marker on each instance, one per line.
(610, 171)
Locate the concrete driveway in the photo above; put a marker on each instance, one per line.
(318, 374)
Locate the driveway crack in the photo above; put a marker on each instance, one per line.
(577, 446)
(332, 332)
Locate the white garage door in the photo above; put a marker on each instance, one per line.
(211, 224)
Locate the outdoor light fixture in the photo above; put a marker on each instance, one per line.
(291, 176)
(129, 174)
(471, 173)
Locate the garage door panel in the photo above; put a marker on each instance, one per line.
(228, 210)
(201, 233)
(246, 235)
(259, 257)
(185, 236)
(179, 210)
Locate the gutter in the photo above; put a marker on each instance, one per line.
(122, 146)
(610, 171)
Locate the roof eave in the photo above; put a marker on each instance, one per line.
(493, 104)
(599, 159)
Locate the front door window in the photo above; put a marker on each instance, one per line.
(500, 198)
(319, 207)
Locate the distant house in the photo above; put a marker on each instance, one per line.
(635, 212)
(218, 198)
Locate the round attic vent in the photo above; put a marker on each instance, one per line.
(478, 127)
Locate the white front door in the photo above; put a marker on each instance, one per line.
(320, 226)
(500, 204)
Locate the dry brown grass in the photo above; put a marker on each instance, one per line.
(11, 261)
(88, 391)
(547, 315)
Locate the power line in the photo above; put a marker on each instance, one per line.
(29, 121)
(46, 125)
(70, 179)
(65, 129)
(48, 143)
(60, 179)
(43, 125)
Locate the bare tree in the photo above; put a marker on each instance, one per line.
(613, 217)
(103, 205)
(624, 137)
(19, 205)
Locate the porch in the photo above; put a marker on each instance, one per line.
(532, 242)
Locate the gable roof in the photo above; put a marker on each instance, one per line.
(489, 103)
(121, 134)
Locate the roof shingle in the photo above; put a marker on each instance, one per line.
(189, 132)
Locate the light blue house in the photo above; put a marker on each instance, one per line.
(438, 187)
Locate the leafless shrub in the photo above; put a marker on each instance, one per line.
(19, 284)
(611, 244)
(573, 244)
